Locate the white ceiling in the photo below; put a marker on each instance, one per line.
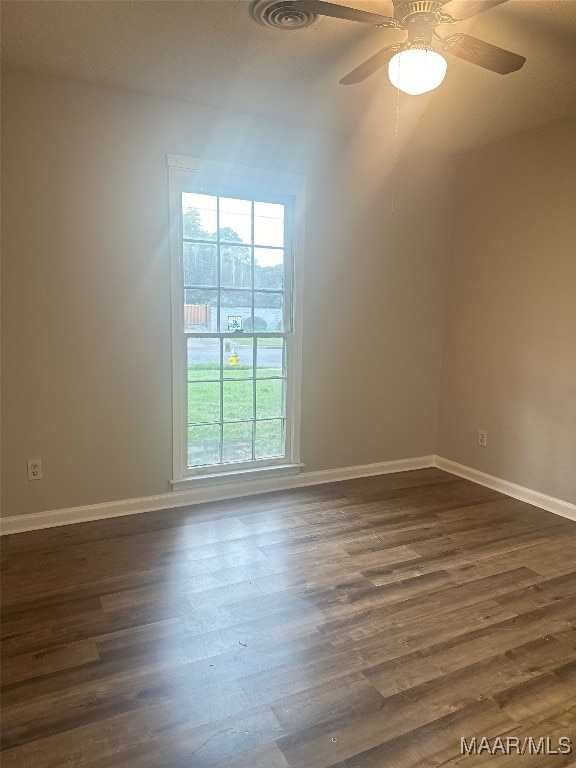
(212, 52)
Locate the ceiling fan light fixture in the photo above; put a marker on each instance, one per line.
(417, 70)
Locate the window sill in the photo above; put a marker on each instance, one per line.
(236, 476)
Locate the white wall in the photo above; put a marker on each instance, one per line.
(509, 362)
(86, 328)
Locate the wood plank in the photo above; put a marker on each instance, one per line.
(363, 623)
(41, 663)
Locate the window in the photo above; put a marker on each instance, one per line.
(235, 321)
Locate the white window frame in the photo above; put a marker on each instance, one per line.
(201, 174)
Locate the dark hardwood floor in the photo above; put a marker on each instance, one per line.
(363, 624)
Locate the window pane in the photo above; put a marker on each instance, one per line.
(269, 439)
(238, 400)
(269, 306)
(235, 220)
(199, 216)
(203, 357)
(238, 357)
(203, 445)
(200, 264)
(270, 357)
(203, 402)
(200, 310)
(269, 268)
(236, 266)
(270, 399)
(237, 442)
(269, 224)
(236, 303)
(233, 266)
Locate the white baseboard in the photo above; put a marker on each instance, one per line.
(202, 494)
(549, 503)
(231, 490)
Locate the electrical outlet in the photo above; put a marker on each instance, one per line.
(482, 438)
(34, 469)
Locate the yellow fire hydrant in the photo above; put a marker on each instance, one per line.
(234, 359)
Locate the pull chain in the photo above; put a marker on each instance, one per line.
(394, 169)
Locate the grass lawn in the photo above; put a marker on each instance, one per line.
(237, 404)
(266, 341)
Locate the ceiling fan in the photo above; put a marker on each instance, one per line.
(413, 63)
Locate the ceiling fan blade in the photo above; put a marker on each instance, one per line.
(342, 12)
(485, 55)
(464, 9)
(373, 64)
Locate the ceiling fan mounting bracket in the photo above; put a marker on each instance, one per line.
(392, 23)
(445, 18)
(448, 42)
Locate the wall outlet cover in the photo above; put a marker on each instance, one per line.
(34, 469)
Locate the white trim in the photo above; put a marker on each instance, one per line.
(549, 503)
(292, 181)
(216, 478)
(253, 181)
(295, 343)
(177, 338)
(220, 492)
(252, 487)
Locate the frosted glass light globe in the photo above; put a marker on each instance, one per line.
(417, 70)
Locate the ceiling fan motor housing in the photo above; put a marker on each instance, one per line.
(419, 18)
(405, 10)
